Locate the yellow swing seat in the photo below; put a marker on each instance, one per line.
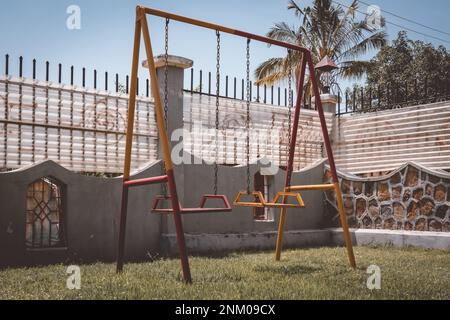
(284, 195)
(259, 201)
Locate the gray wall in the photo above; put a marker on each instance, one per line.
(199, 180)
(92, 211)
(91, 215)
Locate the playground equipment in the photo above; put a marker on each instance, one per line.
(141, 28)
(289, 191)
(168, 177)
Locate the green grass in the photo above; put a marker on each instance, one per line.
(302, 274)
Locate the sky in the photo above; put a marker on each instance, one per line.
(37, 29)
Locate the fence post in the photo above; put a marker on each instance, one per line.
(226, 86)
(7, 64)
(329, 106)
(192, 81)
(339, 103)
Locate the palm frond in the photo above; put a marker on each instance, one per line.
(282, 31)
(375, 41)
(271, 71)
(354, 69)
(325, 29)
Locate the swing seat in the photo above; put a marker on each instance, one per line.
(258, 197)
(282, 195)
(200, 209)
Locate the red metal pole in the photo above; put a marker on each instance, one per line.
(290, 165)
(145, 181)
(294, 134)
(179, 227)
(323, 123)
(122, 229)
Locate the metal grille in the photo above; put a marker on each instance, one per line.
(44, 220)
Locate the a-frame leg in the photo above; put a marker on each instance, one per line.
(141, 25)
(326, 138)
(166, 154)
(129, 143)
(293, 142)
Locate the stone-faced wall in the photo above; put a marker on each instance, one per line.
(410, 198)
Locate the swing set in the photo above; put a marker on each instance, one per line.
(257, 198)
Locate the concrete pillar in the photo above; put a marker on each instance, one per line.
(329, 102)
(175, 81)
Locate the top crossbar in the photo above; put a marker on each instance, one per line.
(217, 27)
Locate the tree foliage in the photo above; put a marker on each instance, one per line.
(402, 74)
(327, 30)
(407, 60)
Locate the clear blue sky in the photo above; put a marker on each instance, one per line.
(37, 29)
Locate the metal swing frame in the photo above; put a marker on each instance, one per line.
(141, 28)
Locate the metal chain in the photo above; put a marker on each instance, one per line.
(166, 90)
(216, 166)
(289, 107)
(247, 121)
(290, 98)
(166, 72)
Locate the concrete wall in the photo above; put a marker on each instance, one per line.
(198, 180)
(91, 214)
(91, 211)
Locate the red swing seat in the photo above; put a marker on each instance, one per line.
(200, 209)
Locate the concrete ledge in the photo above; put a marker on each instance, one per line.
(219, 243)
(214, 243)
(396, 238)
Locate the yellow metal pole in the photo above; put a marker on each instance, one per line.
(129, 143)
(344, 224)
(280, 233)
(132, 98)
(312, 187)
(155, 89)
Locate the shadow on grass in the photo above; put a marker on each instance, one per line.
(288, 270)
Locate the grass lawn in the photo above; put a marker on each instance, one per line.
(302, 274)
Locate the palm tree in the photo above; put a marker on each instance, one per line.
(327, 30)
